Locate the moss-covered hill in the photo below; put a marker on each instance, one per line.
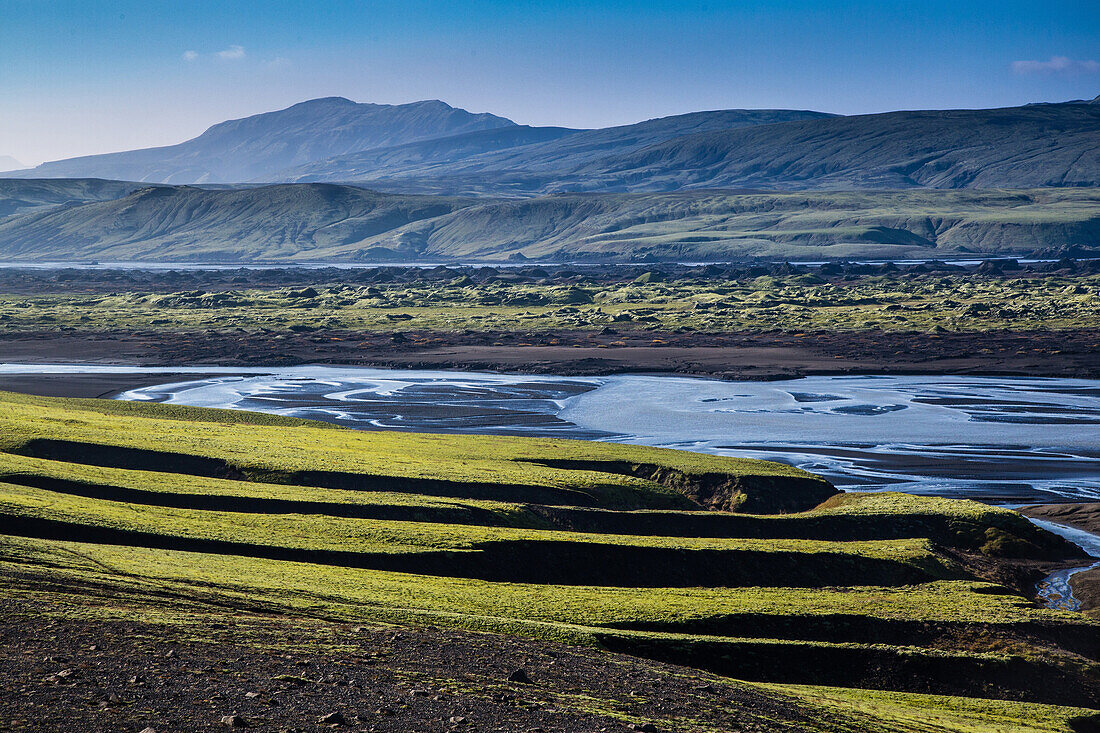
(744, 568)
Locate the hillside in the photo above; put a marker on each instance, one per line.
(748, 569)
(1053, 145)
(720, 225)
(257, 147)
(186, 223)
(1016, 147)
(24, 196)
(529, 161)
(68, 220)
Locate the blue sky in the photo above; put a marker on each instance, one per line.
(88, 77)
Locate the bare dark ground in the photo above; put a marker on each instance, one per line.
(751, 355)
(72, 674)
(86, 385)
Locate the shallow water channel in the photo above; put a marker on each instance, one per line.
(1005, 441)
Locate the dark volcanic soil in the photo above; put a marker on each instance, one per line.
(86, 385)
(1082, 516)
(280, 675)
(752, 356)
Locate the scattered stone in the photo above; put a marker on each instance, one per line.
(644, 727)
(419, 693)
(235, 721)
(458, 720)
(148, 730)
(171, 654)
(520, 676)
(251, 695)
(336, 718)
(65, 675)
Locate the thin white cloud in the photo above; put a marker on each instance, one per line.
(1056, 65)
(190, 55)
(232, 53)
(279, 62)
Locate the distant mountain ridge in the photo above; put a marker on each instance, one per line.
(8, 163)
(258, 147)
(336, 140)
(528, 159)
(432, 148)
(1014, 147)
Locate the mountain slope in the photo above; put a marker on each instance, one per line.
(186, 223)
(313, 222)
(1047, 145)
(257, 147)
(429, 147)
(423, 155)
(23, 196)
(721, 225)
(528, 168)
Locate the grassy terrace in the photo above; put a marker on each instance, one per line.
(159, 510)
(917, 302)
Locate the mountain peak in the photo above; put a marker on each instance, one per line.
(258, 147)
(325, 102)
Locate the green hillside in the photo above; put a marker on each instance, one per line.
(781, 581)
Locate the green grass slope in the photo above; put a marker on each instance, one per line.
(744, 568)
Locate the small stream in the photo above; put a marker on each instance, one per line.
(1054, 590)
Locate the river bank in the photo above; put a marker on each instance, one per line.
(728, 356)
(1008, 441)
(1085, 584)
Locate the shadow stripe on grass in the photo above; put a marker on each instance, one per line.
(140, 459)
(535, 562)
(260, 505)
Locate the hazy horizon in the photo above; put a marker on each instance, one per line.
(124, 75)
